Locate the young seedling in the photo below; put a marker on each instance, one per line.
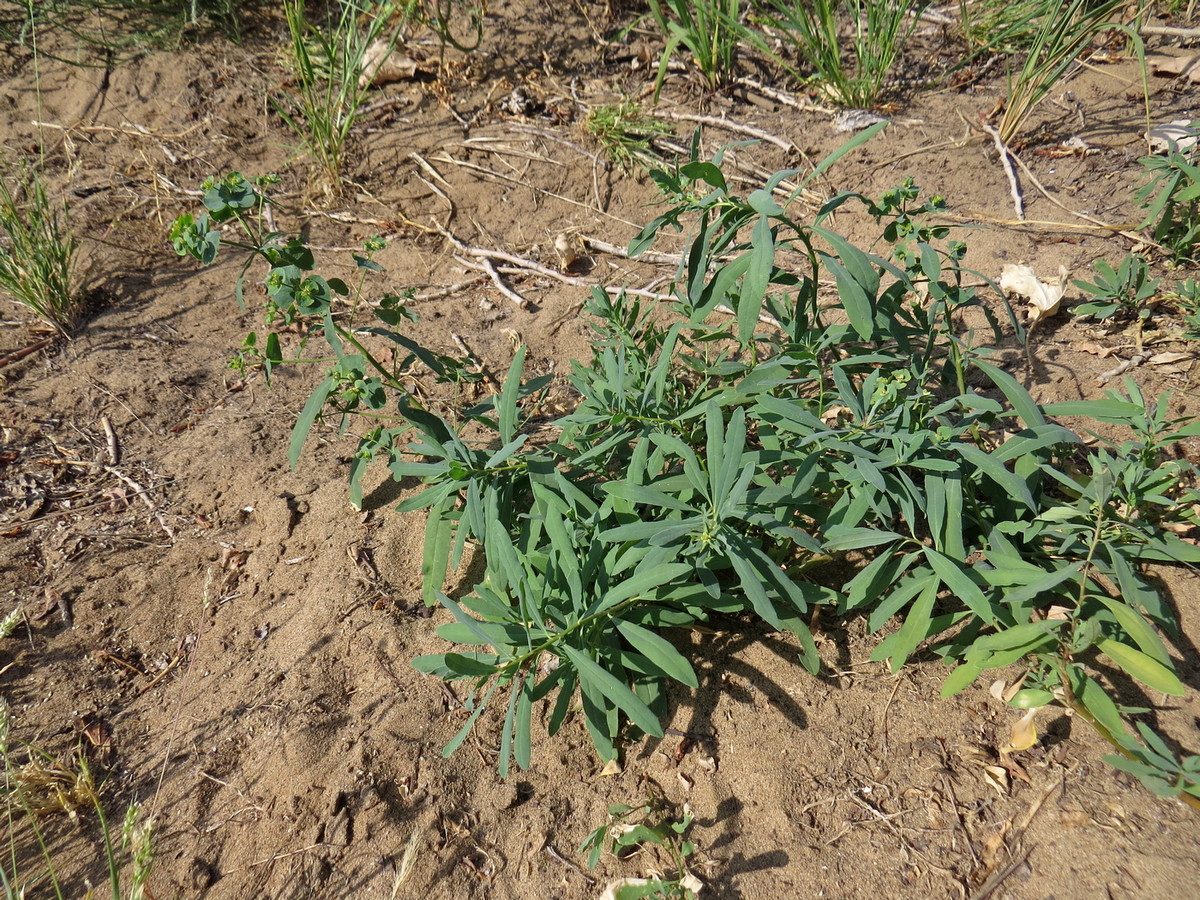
(1057, 43)
(710, 30)
(1123, 291)
(630, 829)
(626, 133)
(1170, 199)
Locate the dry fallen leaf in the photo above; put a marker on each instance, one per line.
(1167, 357)
(1042, 296)
(612, 767)
(997, 777)
(997, 689)
(1180, 66)
(1093, 348)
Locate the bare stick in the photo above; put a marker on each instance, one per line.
(448, 290)
(18, 355)
(114, 446)
(1188, 34)
(1132, 363)
(780, 97)
(485, 265)
(140, 492)
(612, 250)
(537, 190)
(727, 125)
(1008, 170)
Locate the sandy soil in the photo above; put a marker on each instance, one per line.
(238, 636)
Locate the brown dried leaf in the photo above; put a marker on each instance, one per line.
(997, 777)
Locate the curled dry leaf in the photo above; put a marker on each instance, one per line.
(1044, 297)
(612, 767)
(382, 64)
(1178, 133)
(1024, 734)
(691, 883)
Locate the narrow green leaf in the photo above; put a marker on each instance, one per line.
(592, 673)
(308, 415)
(955, 577)
(1135, 625)
(1022, 403)
(877, 577)
(470, 665)
(914, 630)
(839, 537)
(1097, 701)
(522, 727)
(757, 280)
(647, 582)
(562, 703)
(752, 586)
(639, 493)
(659, 651)
(1012, 483)
(457, 740)
(507, 404)
(962, 677)
(506, 731)
(1145, 669)
(859, 305)
(435, 558)
(1008, 645)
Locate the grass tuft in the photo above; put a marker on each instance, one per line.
(38, 252)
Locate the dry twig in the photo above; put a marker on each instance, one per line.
(1006, 161)
(728, 125)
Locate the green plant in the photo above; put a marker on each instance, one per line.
(38, 251)
(441, 17)
(711, 30)
(1170, 199)
(851, 75)
(1004, 27)
(1125, 290)
(328, 89)
(715, 468)
(44, 786)
(649, 825)
(626, 133)
(1061, 37)
(1185, 295)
